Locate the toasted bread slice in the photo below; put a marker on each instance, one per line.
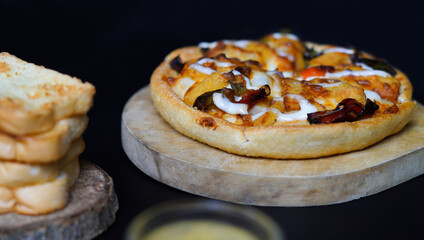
(14, 174)
(7, 201)
(33, 98)
(44, 147)
(41, 198)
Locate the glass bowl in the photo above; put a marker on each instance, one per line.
(205, 217)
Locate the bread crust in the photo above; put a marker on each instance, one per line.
(44, 147)
(16, 120)
(281, 142)
(43, 197)
(15, 174)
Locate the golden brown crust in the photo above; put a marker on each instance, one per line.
(285, 141)
(73, 97)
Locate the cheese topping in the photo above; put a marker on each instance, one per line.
(226, 105)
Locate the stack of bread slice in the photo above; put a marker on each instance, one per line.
(42, 118)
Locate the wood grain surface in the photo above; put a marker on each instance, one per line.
(178, 161)
(90, 211)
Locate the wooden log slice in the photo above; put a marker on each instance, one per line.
(178, 161)
(90, 211)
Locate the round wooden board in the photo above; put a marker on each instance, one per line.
(170, 157)
(90, 211)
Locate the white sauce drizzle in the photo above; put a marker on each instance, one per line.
(339, 49)
(372, 95)
(362, 73)
(287, 74)
(287, 35)
(248, 85)
(305, 108)
(227, 106)
(327, 85)
(282, 53)
(364, 66)
(202, 69)
(218, 63)
(238, 43)
(259, 79)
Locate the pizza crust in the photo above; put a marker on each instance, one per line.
(281, 142)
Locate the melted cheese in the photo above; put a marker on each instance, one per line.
(227, 106)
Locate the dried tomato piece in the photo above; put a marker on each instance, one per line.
(348, 110)
(251, 96)
(176, 64)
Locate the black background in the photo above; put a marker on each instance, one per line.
(117, 44)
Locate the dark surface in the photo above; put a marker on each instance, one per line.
(116, 46)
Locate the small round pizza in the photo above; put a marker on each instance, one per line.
(281, 97)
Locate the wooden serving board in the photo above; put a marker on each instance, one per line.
(178, 161)
(90, 211)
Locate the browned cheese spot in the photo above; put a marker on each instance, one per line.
(170, 80)
(392, 109)
(363, 82)
(207, 122)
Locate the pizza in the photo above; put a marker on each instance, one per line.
(281, 97)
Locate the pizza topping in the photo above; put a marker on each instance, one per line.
(377, 64)
(207, 122)
(311, 53)
(315, 72)
(348, 72)
(348, 110)
(263, 83)
(392, 109)
(211, 45)
(285, 35)
(372, 95)
(223, 103)
(176, 64)
(338, 49)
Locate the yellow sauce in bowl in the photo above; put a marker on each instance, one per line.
(199, 230)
